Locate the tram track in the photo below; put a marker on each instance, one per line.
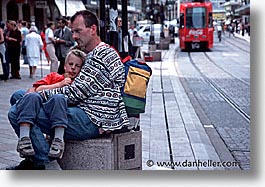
(222, 69)
(219, 90)
(218, 141)
(233, 43)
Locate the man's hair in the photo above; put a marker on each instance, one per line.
(64, 21)
(89, 18)
(50, 24)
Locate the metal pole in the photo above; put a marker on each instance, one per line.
(103, 20)
(152, 37)
(65, 7)
(41, 64)
(162, 18)
(125, 34)
(178, 9)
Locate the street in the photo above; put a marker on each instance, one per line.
(217, 83)
(220, 82)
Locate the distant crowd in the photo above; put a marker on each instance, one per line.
(24, 38)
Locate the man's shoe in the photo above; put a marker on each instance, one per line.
(26, 164)
(25, 148)
(57, 148)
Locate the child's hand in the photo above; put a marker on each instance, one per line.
(65, 82)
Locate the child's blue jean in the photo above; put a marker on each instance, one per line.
(43, 116)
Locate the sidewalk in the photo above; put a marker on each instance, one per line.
(172, 131)
(245, 37)
(8, 139)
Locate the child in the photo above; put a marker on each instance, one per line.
(72, 67)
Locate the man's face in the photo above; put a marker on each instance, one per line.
(61, 24)
(119, 22)
(81, 34)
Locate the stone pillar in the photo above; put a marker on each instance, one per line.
(20, 11)
(4, 13)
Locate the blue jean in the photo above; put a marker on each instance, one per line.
(43, 116)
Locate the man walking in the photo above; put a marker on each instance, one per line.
(50, 41)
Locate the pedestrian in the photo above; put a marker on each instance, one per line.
(73, 64)
(219, 31)
(122, 40)
(33, 44)
(24, 31)
(120, 45)
(4, 63)
(50, 42)
(42, 35)
(13, 39)
(64, 41)
(242, 29)
(95, 92)
(132, 34)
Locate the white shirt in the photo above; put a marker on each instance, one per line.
(219, 28)
(48, 34)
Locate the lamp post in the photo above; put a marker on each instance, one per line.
(152, 37)
(162, 18)
(125, 34)
(102, 7)
(65, 7)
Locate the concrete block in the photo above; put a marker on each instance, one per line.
(93, 154)
(129, 150)
(116, 152)
(163, 45)
(152, 47)
(156, 55)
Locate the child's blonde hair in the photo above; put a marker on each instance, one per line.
(77, 52)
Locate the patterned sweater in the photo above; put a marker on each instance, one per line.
(96, 89)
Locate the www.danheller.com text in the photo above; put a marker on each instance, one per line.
(196, 163)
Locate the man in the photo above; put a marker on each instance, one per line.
(24, 31)
(122, 40)
(50, 40)
(132, 33)
(64, 41)
(95, 92)
(13, 39)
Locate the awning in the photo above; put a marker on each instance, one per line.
(243, 10)
(72, 6)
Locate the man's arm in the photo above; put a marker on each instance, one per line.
(96, 75)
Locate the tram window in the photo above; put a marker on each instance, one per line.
(196, 17)
(210, 24)
(181, 20)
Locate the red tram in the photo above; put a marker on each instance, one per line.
(196, 25)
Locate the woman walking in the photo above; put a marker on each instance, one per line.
(33, 45)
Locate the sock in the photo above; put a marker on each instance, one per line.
(24, 131)
(59, 132)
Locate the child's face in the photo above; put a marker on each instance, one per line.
(73, 66)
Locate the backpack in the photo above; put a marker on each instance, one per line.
(137, 75)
